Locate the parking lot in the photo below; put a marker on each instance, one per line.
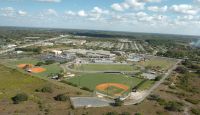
(89, 102)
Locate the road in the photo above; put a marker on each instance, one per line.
(27, 45)
(154, 86)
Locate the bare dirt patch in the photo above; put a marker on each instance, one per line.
(37, 70)
(105, 86)
(24, 65)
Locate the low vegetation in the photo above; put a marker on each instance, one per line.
(61, 97)
(174, 106)
(45, 89)
(195, 111)
(19, 98)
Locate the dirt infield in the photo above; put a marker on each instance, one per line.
(105, 86)
(31, 68)
(37, 70)
(23, 65)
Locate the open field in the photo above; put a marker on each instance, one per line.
(13, 82)
(53, 68)
(163, 63)
(104, 67)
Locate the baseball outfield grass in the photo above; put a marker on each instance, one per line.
(92, 80)
(104, 67)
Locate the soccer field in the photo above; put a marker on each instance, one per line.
(104, 67)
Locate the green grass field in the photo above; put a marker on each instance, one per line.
(92, 80)
(104, 67)
(53, 68)
(161, 62)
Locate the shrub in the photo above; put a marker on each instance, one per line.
(193, 101)
(138, 114)
(181, 69)
(39, 64)
(60, 76)
(61, 97)
(19, 98)
(118, 102)
(172, 87)
(158, 78)
(161, 101)
(45, 89)
(195, 111)
(87, 89)
(111, 113)
(174, 106)
(125, 113)
(154, 97)
(78, 93)
(69, 83)
(48, 62)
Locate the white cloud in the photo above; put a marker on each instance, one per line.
(157, 9)
(117, 7)
(82, 13)
(51, 12)
(48, 12)
(197, 1)
(135, 4)
(22, 13)
(8, 11)
(53, 1)
(70, 13)
(184, 9)
(97, 13)
(98, 10)
(151, 0)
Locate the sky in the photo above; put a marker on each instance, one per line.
(152, 16)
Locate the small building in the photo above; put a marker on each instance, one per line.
(55, 77)
(56, 52)
(11, 45)
(19, 52)
(107, 61)
(149, 76)
(47, 44)
(136, 58)
(70, 74)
